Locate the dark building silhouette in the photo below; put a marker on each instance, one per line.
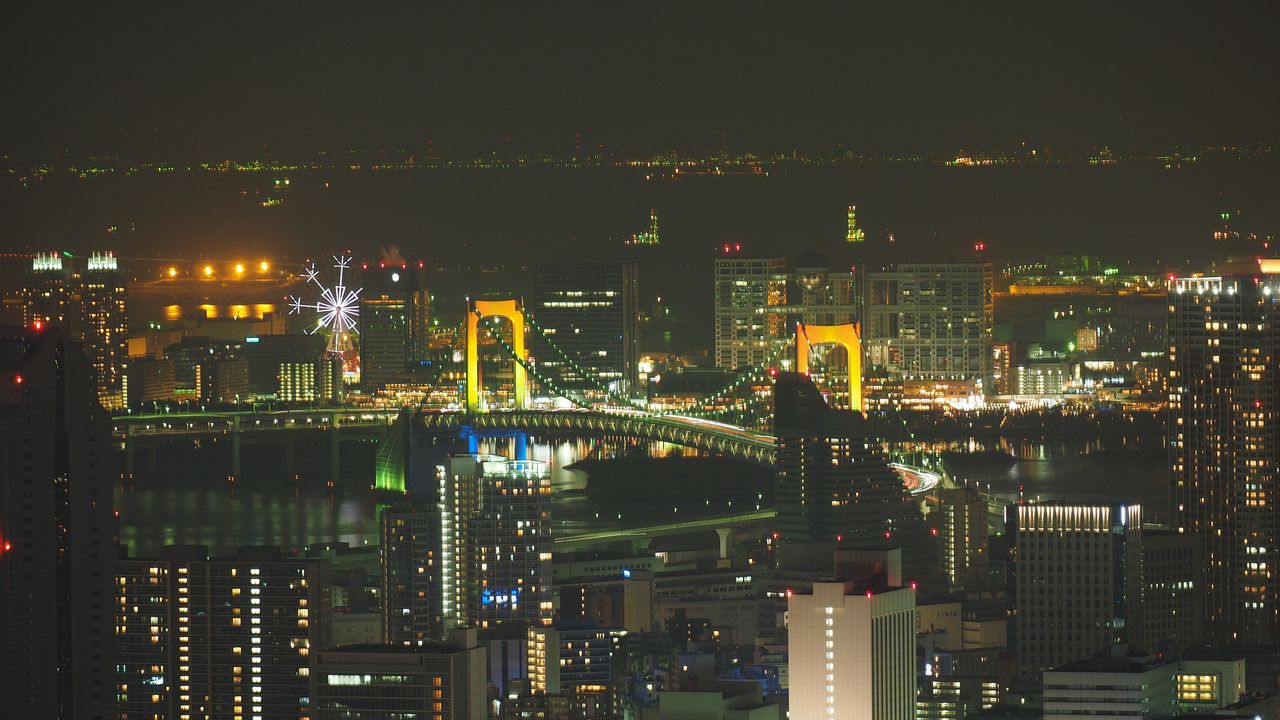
(395, 316)
(56, 531)
(592, 313)
(831, 476)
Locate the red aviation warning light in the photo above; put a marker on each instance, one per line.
(979, 247)
(38, 325)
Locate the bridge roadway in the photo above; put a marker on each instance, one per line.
(698, 433)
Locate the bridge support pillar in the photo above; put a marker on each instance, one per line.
(640, 544)
(128, 451)
(521, 443)
(726, 546)
(235, 447)
(290, 468)
(334, 446)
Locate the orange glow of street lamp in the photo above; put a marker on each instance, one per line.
(208, 271)
(239, 268)
(173, 272)
(264, 266)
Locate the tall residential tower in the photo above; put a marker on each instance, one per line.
(1224, 444)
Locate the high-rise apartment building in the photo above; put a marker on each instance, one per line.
(56, 531)
(1224, 451)
(745, 288)
(510, 542)
(395, 322)
(49, 296)
(1075, 581)
(830, 479)
(964, 531)
(413, 559)
(476, 552)
(90, 306)
(852, 650)
(931, 322)
(105, 325)
(579, 660)
(591, 312)
(227, 637)
(439, 680)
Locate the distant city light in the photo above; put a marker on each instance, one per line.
(264, 266)
(173, 272)
(239, 268)
(208, 271)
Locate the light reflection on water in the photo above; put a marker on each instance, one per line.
(254, 311)
(155, 514)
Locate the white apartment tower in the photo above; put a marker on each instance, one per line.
(852, 652)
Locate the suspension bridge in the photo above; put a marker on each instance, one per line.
(593, 411)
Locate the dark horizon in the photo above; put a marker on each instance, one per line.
(149, 80)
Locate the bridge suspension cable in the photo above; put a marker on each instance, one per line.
(542, 379)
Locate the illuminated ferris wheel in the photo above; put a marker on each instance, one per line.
(337, 309)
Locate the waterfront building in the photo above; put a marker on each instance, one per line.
(1075, 581)
(745, 333)
(395, 322)
(851, 650)
(219, 637)
(439, 680)
(591, 312)
(149, 380)
(510, 539)
(1043, 378)
(1207, 685)
(931, 322)
(1224, 405)
(56, 531)
(222, 380)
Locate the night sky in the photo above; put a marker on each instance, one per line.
(161, 79)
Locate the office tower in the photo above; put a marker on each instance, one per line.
(395, 322)
(56, 531)
(591, 312)
(511, 541)
(744, 288)
(1075, 581)
(218, 637)
(1110, 685)
(852, 648)
(1172, 601)
(963, 530)
(829, 479)
(189, 352)
(105, 325)
(580, 660)
(1224, 405)
(222, 381)
(440, 680)
(931, 322)
(49, 296)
